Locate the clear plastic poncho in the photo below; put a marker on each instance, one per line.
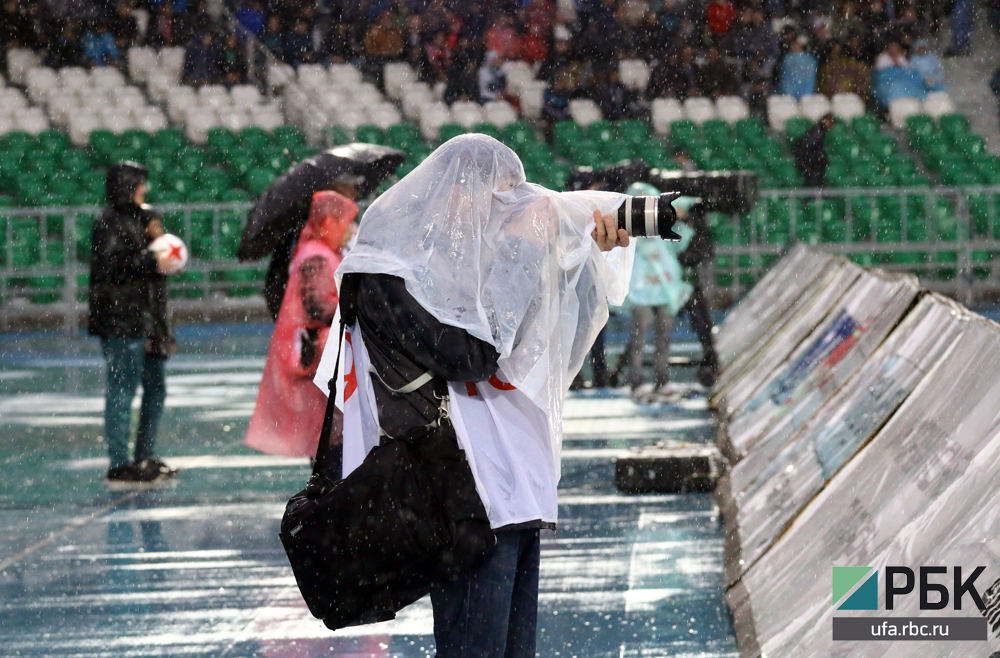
(510, 262)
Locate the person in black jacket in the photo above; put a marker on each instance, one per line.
(698, 251)
(810, 152)
(128, 312)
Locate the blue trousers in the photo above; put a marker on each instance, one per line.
(128, 366)
(492, 613)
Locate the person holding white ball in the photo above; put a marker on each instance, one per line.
(128, 312)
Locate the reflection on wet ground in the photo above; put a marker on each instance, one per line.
(196, 569)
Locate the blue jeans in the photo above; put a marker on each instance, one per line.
(492, 613)
(128, 365)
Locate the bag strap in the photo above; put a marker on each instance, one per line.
(331, 405)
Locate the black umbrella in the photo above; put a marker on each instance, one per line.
(284, 207)
(282, 210)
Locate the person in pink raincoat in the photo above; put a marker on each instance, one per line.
(289, 413)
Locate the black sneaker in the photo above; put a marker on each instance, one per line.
(129, 477)
(156, 467)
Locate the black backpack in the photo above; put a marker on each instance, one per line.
(407, 518)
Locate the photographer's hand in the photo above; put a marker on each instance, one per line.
(605, 234)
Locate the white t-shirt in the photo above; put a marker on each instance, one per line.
(504, 435)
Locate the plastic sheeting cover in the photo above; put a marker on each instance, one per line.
(921, 453)
(834, 351)
(767, 302)
(803, 319)
(758, 514)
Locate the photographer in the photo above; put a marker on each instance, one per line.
(128, 312)
(479, 295)
(699, 250)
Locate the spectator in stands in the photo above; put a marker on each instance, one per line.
(556, 61)
(299, 48)
(535, 45)
(716, 76)
(843, 74)
(437, 58)
(64, 50)
(463, 76)
(666, 80)
(413, 38)
(232, 64)
(810, 152)
(124, 27)
(274, 37)
(492, 79)
(201, 66)
(555, 106)
(597, 43)
(99, 47)
(339, 46)
(961, 29)
(651, 37)
(928, 65)
(162, 31)
(798, 71)
(720, 16)
(383, 43)
(252, 17)
(751, 38)
(615, 99)
(16, 30)
(195, 20)
(503, 39)
(893, 55)
(758, 89)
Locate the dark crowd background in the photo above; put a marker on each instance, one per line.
(751, 48)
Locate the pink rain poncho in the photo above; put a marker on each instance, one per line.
(289, 413)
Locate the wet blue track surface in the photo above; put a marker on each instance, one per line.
(195, 568)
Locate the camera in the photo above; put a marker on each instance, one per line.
(649, 216)
(719, 191)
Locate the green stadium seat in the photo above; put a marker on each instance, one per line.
(19, 141)
(602, 131)
(169, 139)
(254, 138)
(288, 137)
(795, 127)
(518, 133)
(449, 130)
(953, 124)
(259, 180)
(487, 128)
(54, 141)
(403, 136)
(369, 134)
(335, 135)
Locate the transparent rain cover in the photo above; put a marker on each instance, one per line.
(508, 261)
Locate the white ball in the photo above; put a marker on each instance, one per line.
(175, 250)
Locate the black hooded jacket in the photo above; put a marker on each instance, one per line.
(127, 293)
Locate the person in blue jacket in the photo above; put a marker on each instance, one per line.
(657, 292)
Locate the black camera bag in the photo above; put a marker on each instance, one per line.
(407, 518)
